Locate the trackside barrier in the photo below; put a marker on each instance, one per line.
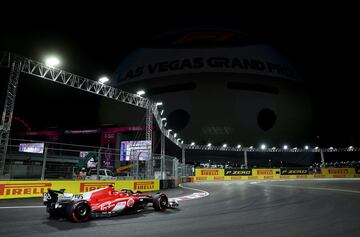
(188, 179)
(27, 189)
(270, 174)
(209, 172)
(168, 183)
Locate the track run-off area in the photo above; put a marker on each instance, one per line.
(320, 207)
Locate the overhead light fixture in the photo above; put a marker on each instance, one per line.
(209, 144)
(238, 146)
(52, 61)
(263, 147)
(225, 145)
(159, 103)
(192, 144)
(285, 147)
(306, 147)
(103, 80)
(140, 92)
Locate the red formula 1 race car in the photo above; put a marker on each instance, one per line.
(102, 202)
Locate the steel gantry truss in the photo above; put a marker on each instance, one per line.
(28, 66)
(162, 156)
(245, 150)
(4, 59)
(7, 114)
(254, 149)
(19, 64)
(148, 136)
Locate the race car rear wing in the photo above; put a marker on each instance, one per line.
(52, 195)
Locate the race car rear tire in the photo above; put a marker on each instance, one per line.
(79, 211)
(160, 202)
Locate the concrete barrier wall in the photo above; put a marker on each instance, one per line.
(26, 189)
(270, 174)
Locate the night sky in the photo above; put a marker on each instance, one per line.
(321, 42)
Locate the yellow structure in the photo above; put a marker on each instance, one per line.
(272, 174)
(25, 189)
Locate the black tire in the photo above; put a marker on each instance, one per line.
(78, 211)
(160, 202)
(50, 208)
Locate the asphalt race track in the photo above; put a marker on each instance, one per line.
(233, 208)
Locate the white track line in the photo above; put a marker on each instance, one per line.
(199, 194)
(195, 189)
(18, 207)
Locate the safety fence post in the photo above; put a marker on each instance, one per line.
(44, 164)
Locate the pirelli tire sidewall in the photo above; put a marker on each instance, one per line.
(78, 211)
(160, 202)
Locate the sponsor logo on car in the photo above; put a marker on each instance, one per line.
(144, 185)
(106, 206)
(23, 189)
(130, 202)
(119, 206)
(87, 187)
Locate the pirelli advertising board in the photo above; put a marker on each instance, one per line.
(25, 189)
(338, 172)
(270, 174)
(294, 171)
(266, 173)
(238, 172)
(209, 172)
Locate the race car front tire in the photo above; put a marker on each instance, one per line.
(160, 202)
(79, 211)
